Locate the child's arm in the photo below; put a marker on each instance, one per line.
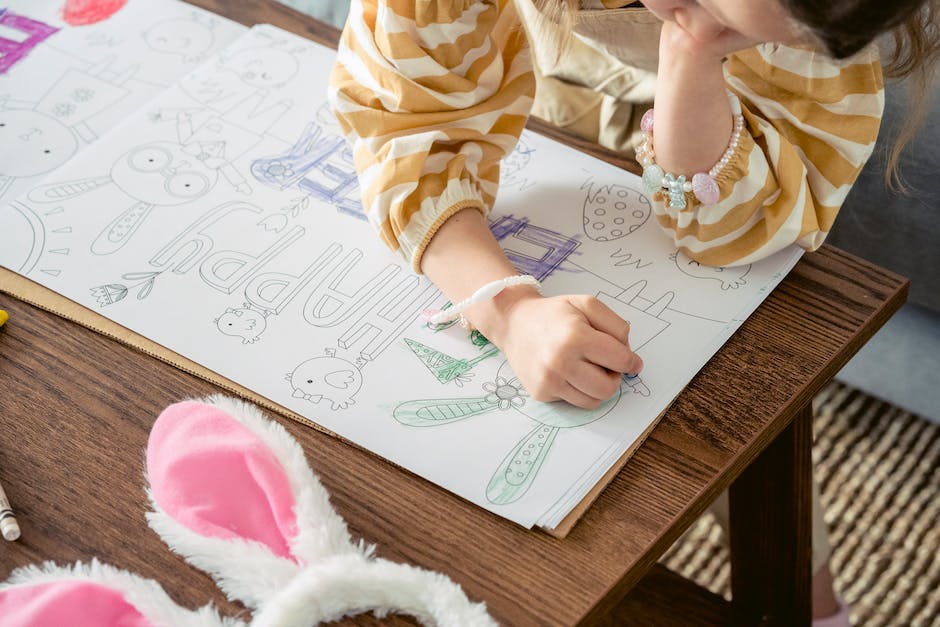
(572, 348)
(432, 96)
(810, 126)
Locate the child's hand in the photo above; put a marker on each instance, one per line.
(703, 43)
(571, 348)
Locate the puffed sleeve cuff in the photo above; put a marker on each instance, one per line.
(424, 225)
(734, 171)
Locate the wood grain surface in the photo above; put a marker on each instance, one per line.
(76, 409)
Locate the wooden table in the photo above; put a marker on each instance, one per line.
(76, 409)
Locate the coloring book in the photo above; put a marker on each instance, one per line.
(183, 176)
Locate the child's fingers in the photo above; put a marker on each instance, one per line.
(578, 398)
(607, 352)
(604, 319)
(594, 381)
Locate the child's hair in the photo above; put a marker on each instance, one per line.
(844, 27)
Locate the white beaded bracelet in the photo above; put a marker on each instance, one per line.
(486, 292)
(703, 184)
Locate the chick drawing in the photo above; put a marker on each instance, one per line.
(187, 37)
(730, 277)
(243, 322)
(331, 378)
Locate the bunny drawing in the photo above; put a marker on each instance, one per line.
(159, 173)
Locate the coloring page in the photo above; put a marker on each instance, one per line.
(70, 71)
(222, 220)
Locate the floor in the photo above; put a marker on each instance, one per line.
(901, 364)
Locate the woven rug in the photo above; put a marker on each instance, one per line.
(879, 472)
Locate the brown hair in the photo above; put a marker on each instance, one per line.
(916, 53)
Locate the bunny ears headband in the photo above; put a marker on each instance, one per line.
(232, 493)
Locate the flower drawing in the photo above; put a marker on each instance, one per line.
(507, 394)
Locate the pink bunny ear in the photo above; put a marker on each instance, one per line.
(93, 595)
(232, 493)
(211, 473)
(59, 604)
(228, 488)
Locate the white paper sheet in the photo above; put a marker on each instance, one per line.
(222, 220)
(63, 87)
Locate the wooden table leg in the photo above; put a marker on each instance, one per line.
(771, 530)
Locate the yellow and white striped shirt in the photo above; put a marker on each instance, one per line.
(433, 93)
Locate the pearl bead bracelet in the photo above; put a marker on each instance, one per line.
(703, 184)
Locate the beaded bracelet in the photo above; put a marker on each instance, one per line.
(703, 185)
(488, 291)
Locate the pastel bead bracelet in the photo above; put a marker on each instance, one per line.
(703, 184)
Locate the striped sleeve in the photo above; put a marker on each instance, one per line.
(810, 125)
(431, 95)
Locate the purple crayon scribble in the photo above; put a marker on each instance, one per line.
(554, 247)
(12, 51)
(318, 164)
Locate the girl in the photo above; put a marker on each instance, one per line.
(770, 107)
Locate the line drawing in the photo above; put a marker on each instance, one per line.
(645, 320)
(265, 66)
(320, 165)
(223, 270)
(244, 322)
(108, 40)
(446, 368)
(269, 293)
(12, 51)
(332, 303)
(248, 109)
(627, 259)
(635, 383)
(519, 469)
(513, 165)
(30, 243)
(730, 278)
(157, 174)
(194, 243)
(648, 316)
(280, 219)
(38, 137)
(330, 377)
(374, 311)
(532, 249)
(377, 309)
(189, 37)
(112, 293)
(226, 270)
(384, 321)
(242, 84)
(613, 211)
